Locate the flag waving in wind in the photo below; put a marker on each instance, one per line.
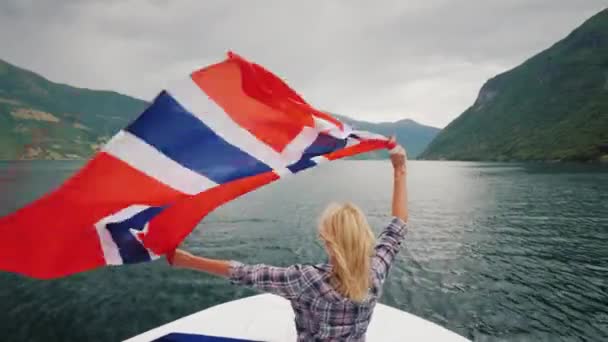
(226, 130)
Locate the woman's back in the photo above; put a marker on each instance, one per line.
(321, 312)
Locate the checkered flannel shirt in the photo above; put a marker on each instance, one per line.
(321, 313)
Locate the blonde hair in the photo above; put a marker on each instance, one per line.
(350, 243)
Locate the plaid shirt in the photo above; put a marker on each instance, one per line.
(321, 313)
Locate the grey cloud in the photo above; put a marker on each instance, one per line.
(375, 61)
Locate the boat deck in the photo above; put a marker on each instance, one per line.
(267, 317)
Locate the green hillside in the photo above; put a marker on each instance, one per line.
(40, 119)
(554, 106)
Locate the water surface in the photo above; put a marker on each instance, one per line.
(496, 252)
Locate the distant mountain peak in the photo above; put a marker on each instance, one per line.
(405, 121)
(414, 136)
(408, 122)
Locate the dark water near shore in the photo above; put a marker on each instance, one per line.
(497, 252)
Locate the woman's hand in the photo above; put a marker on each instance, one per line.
(398, 157)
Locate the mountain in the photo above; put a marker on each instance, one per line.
(412, 135)
(40, 119)
(554, 106)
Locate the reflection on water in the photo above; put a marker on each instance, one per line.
(505, 252)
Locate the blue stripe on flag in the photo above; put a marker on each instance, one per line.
(324, 144)
(178, 134)
(301, 164)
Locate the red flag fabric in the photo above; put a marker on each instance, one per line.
(226, 130)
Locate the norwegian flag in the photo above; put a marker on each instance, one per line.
(226, 130)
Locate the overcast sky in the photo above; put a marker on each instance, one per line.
(372, 60)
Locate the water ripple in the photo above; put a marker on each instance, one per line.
(495, 252)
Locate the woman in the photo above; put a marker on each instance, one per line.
(331, 301)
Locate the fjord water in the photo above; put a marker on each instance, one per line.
(496, 252)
